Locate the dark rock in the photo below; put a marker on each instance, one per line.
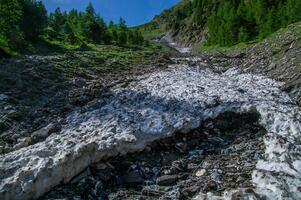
(181, 147)
(167, 180)
(133, 178)
(210, 186)
(151, 192)
(119, 180)
(81, 176)
(97, 190)
(79, 82)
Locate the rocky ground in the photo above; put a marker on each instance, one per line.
(278, 57)
(218, 156)
(157, 105)
(38, 92)
(202, 127)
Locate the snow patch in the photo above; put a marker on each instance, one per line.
(155, 106)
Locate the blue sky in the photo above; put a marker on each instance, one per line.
(135, 12)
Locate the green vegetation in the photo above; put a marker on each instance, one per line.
(25, 25)
(275, 46)
(228, 22)
(105, 59)
(232, 22)
(237, 48)
(152, 30)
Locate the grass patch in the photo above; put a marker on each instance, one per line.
(107, 58)
(232, 49)
(152, 34)
(275, 39)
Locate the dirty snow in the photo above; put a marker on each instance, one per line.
(155, 106)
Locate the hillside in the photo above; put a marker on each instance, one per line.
(271, 47)
(223, 23)
(278, 57)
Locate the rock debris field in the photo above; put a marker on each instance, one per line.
(155, 106)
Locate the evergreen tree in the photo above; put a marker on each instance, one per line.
(24, 21)
(132, 37)
(122, 36)
(57, 21)
(113, 32)
(198, 15)
(293, 10)
(233, 21)
(89, 26)
(282, 15)
(139, 38)
(10, 20)
(34, 19)
(69, 33)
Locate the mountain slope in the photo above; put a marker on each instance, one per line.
(224, 23)
(276, 55)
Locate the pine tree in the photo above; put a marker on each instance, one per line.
(10, 20)
(112, 31)
(122, 36)
(132, 37)
(213, 29)
(57, 21)
(293, 11)
(90, 26)
(198, 14)
(69, 33)
(282, 15)
(34, 19)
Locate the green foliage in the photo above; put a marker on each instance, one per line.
(242, 34)
(122, 36)
(25, 22)
(241, 21)
(78, 27)
(10, 16)
(199, 16)
(4, 48)
(230, 22)
(10, 20)
(34, 19)
(57, 21)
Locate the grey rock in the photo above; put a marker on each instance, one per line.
(200, 172)
(23, 142)
(43, 133)
(216, 177)
(3, 97)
